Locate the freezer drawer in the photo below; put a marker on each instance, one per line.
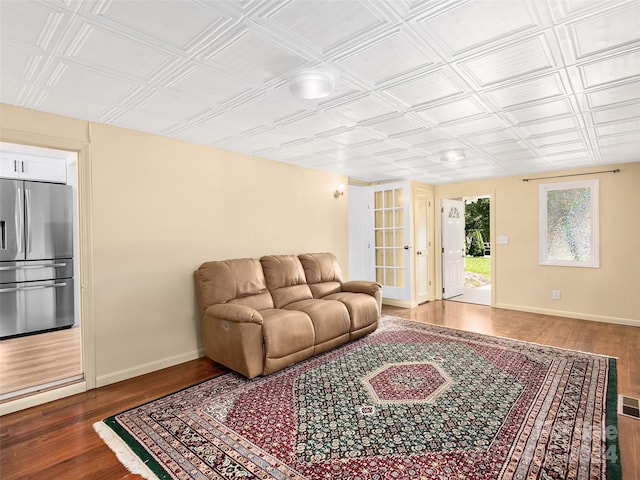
(35, 306)
(31, 271)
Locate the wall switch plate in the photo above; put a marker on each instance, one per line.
(502, 239)
(555, 294)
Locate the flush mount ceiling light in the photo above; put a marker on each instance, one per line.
(452, 155)
(311, 85)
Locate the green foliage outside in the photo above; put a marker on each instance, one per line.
(476, 249)
(481, 266)
(477, 218)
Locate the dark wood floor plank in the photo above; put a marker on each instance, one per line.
(57, 440)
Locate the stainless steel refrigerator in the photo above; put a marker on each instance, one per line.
(36, 257)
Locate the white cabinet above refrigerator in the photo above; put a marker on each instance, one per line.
(22, 166)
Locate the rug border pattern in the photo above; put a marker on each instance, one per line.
(612, 469)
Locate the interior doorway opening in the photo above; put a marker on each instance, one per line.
(478, 250)
(46, 353)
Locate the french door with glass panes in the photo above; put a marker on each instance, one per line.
(392, 236)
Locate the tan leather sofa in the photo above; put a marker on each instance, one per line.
(259, 316)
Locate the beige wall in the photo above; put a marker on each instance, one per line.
(152, 209)
(609, 293)
(160, 207)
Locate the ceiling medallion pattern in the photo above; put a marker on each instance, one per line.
(522, 87)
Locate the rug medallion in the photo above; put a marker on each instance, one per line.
(409, 401)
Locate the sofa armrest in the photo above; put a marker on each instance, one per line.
(362, 286)
(234, 313)
(232, 336)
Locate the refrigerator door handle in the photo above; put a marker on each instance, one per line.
(27, 213)
(19, 220)
(28, 267)
(36, 287)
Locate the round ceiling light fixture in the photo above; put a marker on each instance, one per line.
(311, 85)
(452, 155)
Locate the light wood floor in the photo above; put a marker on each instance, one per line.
(35, 360)
(56, 440)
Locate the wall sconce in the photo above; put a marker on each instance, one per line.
(339, 191)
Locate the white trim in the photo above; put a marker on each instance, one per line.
(44, 397)
(138, 370)
(577, 315)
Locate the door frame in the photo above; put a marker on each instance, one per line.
(462, 193)
(83, 197)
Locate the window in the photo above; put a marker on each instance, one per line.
(568, 224)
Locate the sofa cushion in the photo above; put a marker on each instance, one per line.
(285, 279)
(322, 272)
(239, 280)
(286, 332)
(330, 320)
(363, 311)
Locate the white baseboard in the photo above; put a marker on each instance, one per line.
(138, 370)
(581, 316)
(399, 303)
(44, 397)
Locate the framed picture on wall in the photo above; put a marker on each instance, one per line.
(568, 224)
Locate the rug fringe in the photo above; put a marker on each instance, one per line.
(129, 459)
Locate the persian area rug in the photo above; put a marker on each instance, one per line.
(409, 401)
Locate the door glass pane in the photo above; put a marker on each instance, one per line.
(388, 238)
(388, 218)
(388, 199)
(379, 219)
(399, 234)
(390, 277)
(399, 217)
(399, 197)
(377, 196)
(390, 256)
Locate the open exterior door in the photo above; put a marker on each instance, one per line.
(453, 224)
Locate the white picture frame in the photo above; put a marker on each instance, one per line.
(568, 227)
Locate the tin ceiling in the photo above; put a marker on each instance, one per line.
(523, 87)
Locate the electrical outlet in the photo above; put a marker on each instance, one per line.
(555, 294)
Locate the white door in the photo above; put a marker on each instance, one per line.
(392, 257)
(452, 248)
(361, 234)
(421, 212)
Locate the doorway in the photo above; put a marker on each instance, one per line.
(38, 362)
(476, 269)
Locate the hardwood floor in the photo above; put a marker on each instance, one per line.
(57, 440)
(29, 362)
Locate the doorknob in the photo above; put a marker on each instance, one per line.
(406, 247)
(419, 252)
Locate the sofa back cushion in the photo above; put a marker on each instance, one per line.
(322, 272)
(285, 279)
(232, 281)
